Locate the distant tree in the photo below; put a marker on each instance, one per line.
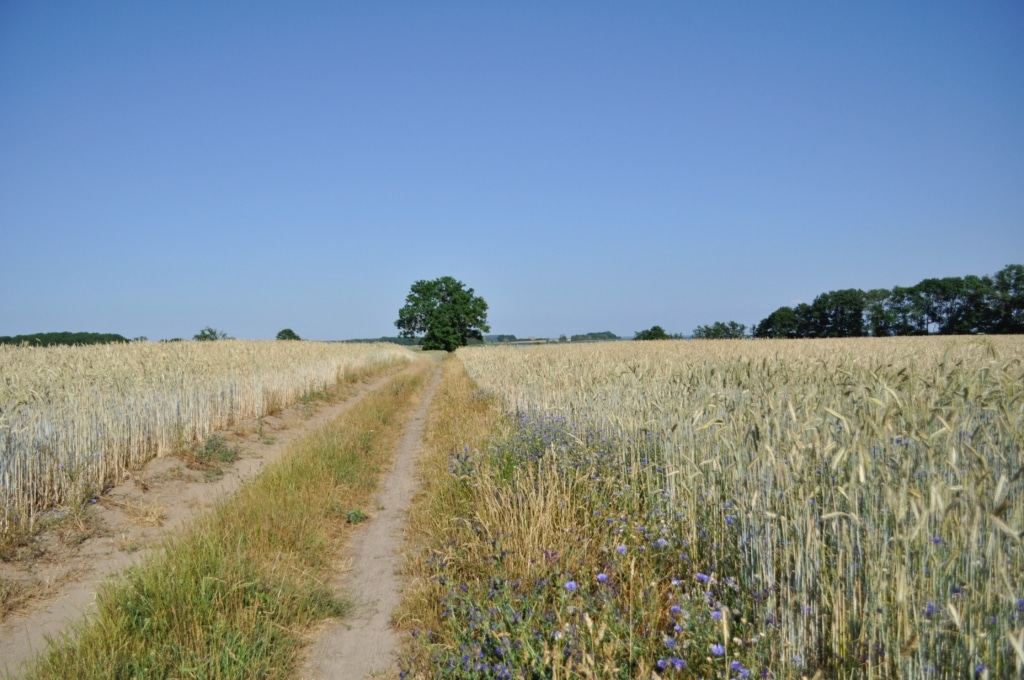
(288, 334)
(655, 333)
(562, 338)
(950, 305)
(720, 331)
(782, 323)
(838, 314)
(1007, 306)
(599, 336)
(445, 312)
(209, 333)
(504, 338)
(62, 338)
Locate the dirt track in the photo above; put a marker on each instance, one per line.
(363, 643)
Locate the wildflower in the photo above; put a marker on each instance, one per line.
(718, 650)
(571, 586)
(677, 663)
(716, 615)
(675, 610)
(661, 543)
(621, 550)
(602, 577)
(703, 578)
(670, 643)
(735, 665)
(729, 519)
(936, 540)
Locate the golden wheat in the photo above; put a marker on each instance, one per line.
(74, 419)
(877, 484)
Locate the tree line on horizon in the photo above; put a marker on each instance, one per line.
(953, 305)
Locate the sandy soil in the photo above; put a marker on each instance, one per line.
(364, 643)
(61, 570)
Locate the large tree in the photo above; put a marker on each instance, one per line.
(445, 312)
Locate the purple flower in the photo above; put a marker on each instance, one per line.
(703, 578)
(729, 519)
(571, 586)
(718, 650)
(670, 643)
(735, 665)
(621, 550)
(677, 663)
(602, 577)
(661, 543)
(716, 615)
(936, 540)
(675, 610)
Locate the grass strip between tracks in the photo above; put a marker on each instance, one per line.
(234, 595)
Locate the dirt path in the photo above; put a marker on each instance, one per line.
(62, 569)
(363, 643)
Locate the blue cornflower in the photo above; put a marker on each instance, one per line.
(661, 543)
(735, 665)
(718, 650)
(602, 577)
(936, 540)
(621, 550)
(675, 609)
(703, 578)
(571, 586)
(670, 643)
(677, 663)
(716, 615)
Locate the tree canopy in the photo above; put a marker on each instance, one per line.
(210, 333)
(288, 334)
(444, 312)
(655, 333)
(62, 338)
(720, 330)
(952, 305)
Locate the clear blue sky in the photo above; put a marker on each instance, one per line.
(584, 166)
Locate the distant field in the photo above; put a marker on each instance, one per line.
(774, 508)
(73, 419)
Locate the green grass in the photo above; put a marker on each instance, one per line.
(233, 596)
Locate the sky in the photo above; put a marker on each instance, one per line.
(583, 166)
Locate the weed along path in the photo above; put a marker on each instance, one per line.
(363, 643)
(52, 581)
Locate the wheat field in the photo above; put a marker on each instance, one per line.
(862, 500)
(74, 419)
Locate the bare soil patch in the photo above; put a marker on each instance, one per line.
(53, 579)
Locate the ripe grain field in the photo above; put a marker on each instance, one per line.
(73, 420)
(827, 508)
